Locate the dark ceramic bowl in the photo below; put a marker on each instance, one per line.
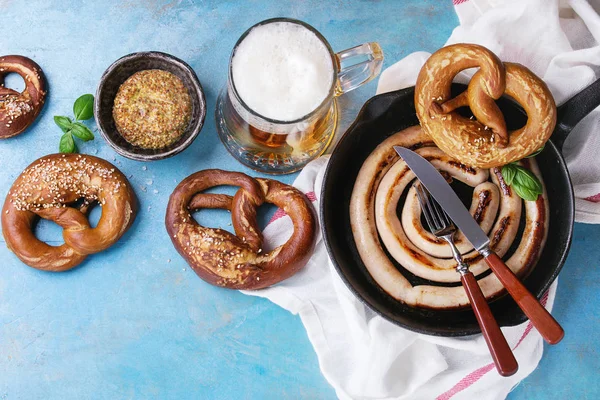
(118, 73)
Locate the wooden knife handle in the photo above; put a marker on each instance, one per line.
(550, 330)
(503, 357)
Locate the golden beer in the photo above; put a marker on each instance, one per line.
(278, 110)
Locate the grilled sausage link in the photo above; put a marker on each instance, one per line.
(383, 178)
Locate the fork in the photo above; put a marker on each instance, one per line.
(442, 227)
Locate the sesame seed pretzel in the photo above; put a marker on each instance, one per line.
(19, 110)
(237, 261)
(61, 188)
(484, 141)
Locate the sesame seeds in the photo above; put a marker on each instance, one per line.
(216, 250)
(61, 188)
(13, 107)
(18, 110)
(53, 182)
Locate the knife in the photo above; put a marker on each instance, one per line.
(437, 186)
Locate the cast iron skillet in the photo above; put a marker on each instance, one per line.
(388, 113)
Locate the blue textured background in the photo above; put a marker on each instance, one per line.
(135, 321)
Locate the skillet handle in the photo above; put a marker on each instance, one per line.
(571, 112)
(540, 318)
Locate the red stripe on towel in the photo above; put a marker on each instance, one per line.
(594, 199)
(466, 382)
(457, 2)
(474, 376)
(280, 213)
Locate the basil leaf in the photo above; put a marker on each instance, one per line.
(535, 153)
(84, 107)
(508, 173)
(67, 144)
(523, 181)
(82, 132)
(64, 123)
(526, 193)
(526, 178)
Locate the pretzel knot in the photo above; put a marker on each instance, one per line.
(484, 141)
(19, 110)
(62, 188)
(238, 261)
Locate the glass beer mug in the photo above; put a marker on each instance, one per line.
(278, 110)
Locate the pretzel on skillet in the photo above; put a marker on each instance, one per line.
(483, 141)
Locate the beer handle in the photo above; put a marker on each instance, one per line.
(370, 57)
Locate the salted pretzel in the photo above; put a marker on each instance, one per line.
(62, 188)
(483, 141)
(19, 110)
(238, 261)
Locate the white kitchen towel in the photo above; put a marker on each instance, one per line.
(364, 356)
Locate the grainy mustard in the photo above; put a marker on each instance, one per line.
(152, 109)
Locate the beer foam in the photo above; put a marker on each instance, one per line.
(282, 70)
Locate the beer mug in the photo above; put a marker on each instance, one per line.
(278, 110)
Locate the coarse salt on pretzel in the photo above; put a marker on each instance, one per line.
(484, 141)
(51, 188)
(19, 110)
(238, 261)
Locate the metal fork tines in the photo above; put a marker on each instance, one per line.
(440, 224)
(442, 227)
